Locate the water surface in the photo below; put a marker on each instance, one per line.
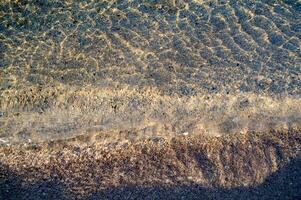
(148, 67)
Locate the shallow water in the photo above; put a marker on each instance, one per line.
(148, 67)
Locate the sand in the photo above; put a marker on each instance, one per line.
(252, 166)
(142, 99)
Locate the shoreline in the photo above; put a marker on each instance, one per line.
(39, 114)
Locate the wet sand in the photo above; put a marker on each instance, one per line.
(150, 99)
(250, 166)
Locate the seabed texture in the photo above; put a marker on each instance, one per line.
(134, 99)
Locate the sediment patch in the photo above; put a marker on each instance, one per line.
(73, 169)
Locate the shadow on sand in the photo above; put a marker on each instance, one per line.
(12, 187)
(283, 184)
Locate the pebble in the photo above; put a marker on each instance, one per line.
(185, 133)
(3, 140)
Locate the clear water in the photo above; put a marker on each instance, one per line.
(148, 67)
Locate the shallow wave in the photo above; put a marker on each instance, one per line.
(37, 114)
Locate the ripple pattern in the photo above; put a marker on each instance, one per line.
(184, 47)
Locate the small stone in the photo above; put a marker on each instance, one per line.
(185, 133)
(3, 140)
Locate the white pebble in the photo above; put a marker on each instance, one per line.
(2, 140)
(185, 133)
